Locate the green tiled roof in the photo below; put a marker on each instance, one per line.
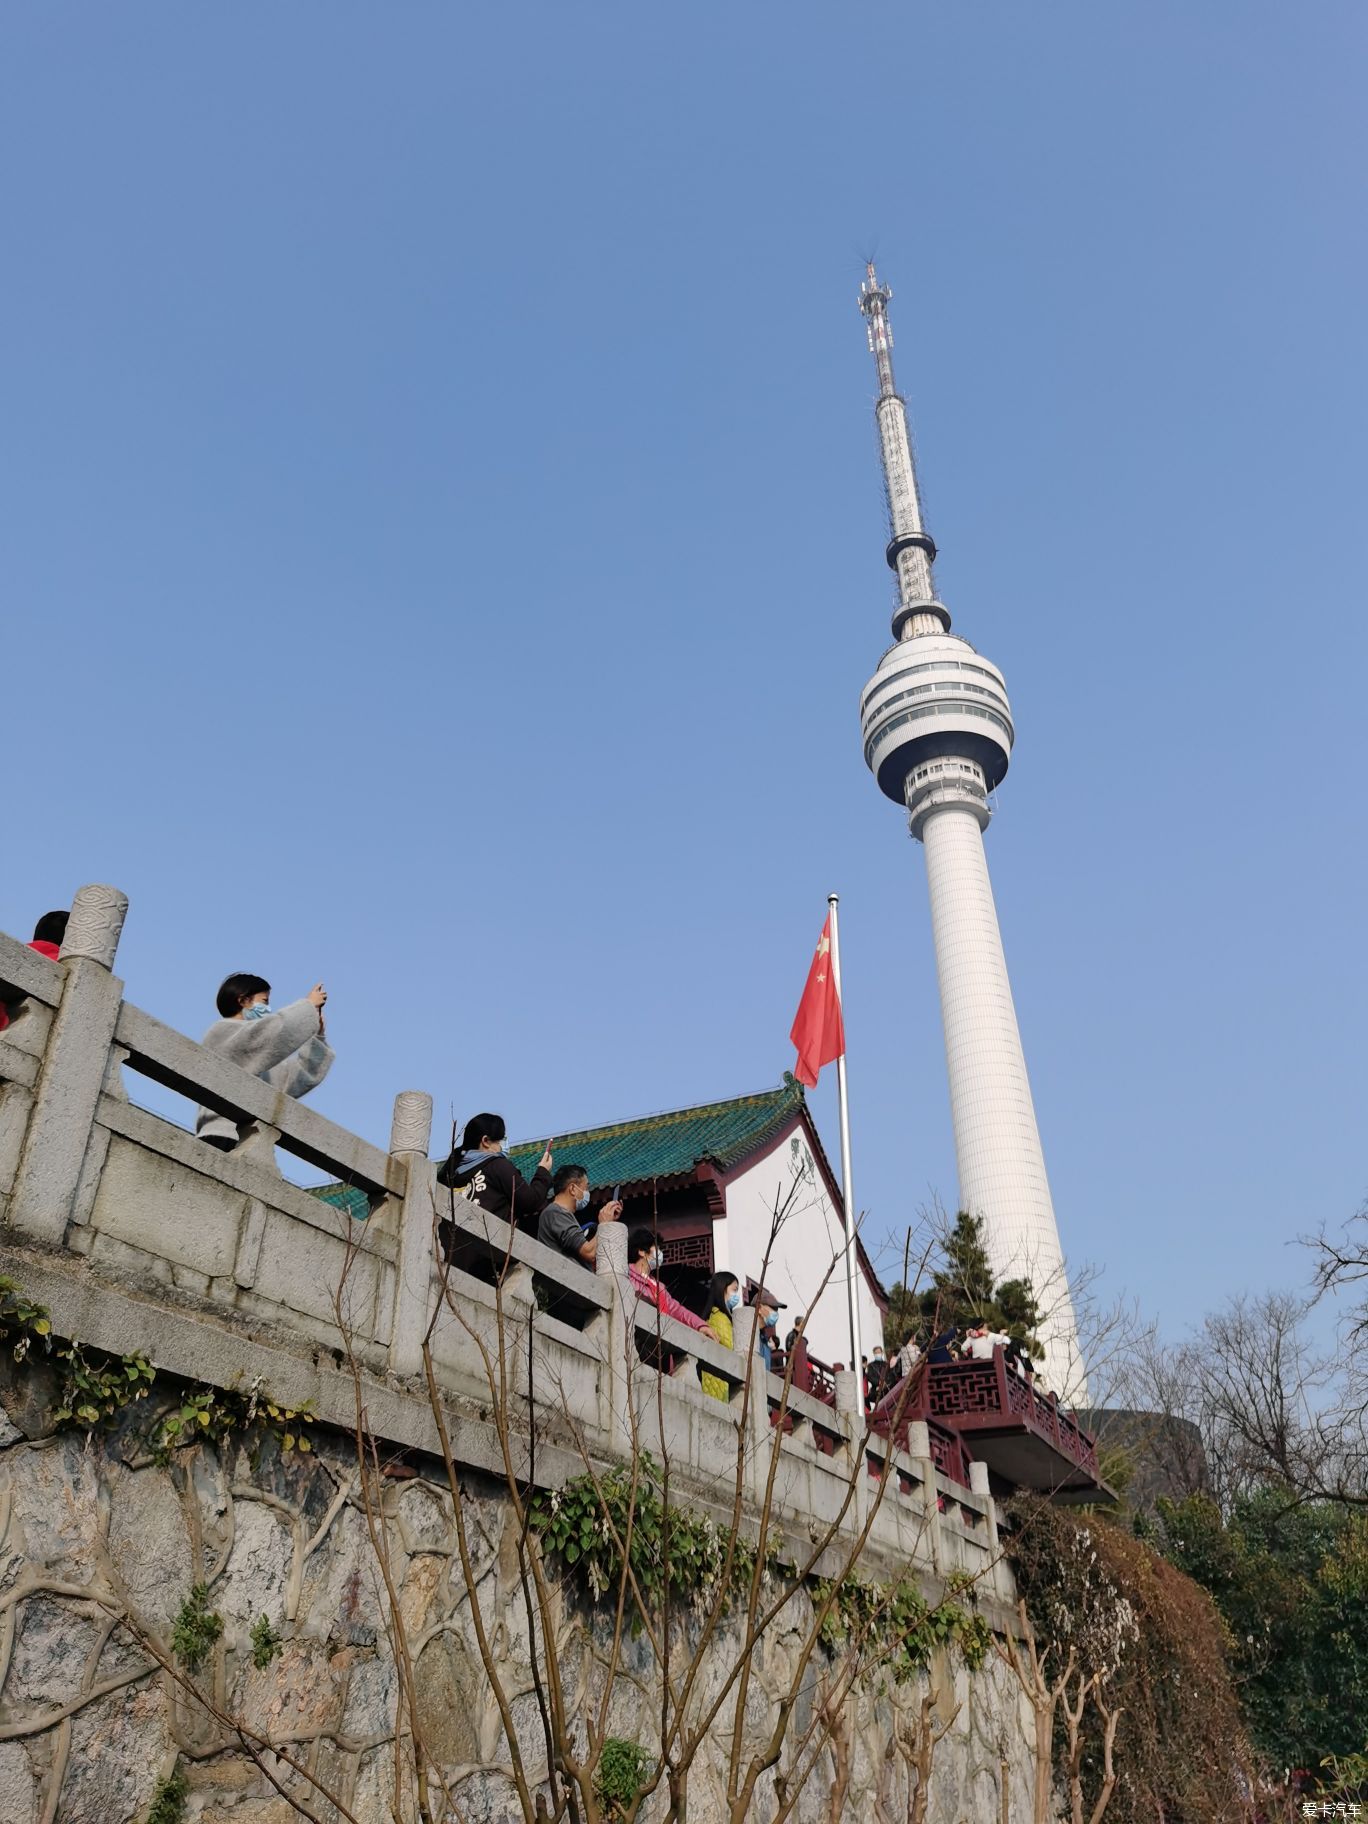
(348, 1197)
(671, 1144)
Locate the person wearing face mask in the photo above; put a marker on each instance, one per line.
(645, 1257)
(562, 1221)
(724, 1300)
(287, 1049)
(766, 1331)
(482, 1171)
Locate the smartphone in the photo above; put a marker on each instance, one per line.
(617, 1194)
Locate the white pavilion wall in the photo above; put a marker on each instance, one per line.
(811, 1235)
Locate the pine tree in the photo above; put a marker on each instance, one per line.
(962, 1293)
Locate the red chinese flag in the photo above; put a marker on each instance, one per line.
(817, 1029)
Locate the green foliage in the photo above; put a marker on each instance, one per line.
(211, 1414)
(676, 1555)
(1155, 1640)
(197, 1628)
(903, 1317)
(1291, 1583)
(961, 1293)
(893, 1626)
(22, 1320)
(266, 1643)
(168, 1801)
(622, 1768)
(97, 1387)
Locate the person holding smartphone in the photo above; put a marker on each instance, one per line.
(562, 1221)
(287, 1049)
(480, 1169)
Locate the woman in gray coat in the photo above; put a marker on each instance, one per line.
(285, 1049)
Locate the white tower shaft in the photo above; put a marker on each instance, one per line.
(997, 1143)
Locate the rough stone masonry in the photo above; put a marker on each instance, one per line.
(100, 1546)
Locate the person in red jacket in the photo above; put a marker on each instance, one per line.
(644, 1261)
(644, 1257)
(47, 941)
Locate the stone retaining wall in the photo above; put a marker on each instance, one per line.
(93, 1531)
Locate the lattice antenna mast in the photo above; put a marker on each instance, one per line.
(911, 549)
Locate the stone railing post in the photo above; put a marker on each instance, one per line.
(919, 1449)
(619, 1356)
(410, 1136)
(850, 1407)
(744, 1324)
(978, 1481)
(75, 1063)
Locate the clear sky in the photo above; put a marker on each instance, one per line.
(442, 548)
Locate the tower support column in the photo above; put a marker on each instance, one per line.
(997, 1142)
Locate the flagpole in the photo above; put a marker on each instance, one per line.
(852, 1258)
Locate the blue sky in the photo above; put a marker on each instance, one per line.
(442, 546)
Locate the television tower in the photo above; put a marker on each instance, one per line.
(938, 737)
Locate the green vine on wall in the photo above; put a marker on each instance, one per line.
(678, 1554)
(168, 1801)
(213, 1414)
(675, 1553)
(622, 1768)
(22, 1320)
(97, 1388)
(266, 1643)
(894, 1626)
(197, 1628)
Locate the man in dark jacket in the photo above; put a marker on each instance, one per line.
(481, 1170)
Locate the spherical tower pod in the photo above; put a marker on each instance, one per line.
(933, 701)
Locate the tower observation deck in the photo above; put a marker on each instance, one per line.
(938, 736)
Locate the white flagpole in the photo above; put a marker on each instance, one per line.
(852, 1257)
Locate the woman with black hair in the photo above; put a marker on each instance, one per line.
(481, 1170)
(285, 1049)
(724, 1298)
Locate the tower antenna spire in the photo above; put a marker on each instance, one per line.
(911, 549)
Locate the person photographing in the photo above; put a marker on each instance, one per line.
(562, 1222)
(287, 1049)
(480, 1169)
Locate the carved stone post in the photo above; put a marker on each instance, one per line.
(919, 1449)
(72, 1075)
(410, 1136)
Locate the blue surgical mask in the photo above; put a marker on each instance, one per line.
(255, 1013)
(655, 1260)
(733, 1301)
(582, 1203)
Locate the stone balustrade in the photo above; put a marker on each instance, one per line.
(139, 1237)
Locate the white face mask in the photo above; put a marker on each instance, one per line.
(655, 1260)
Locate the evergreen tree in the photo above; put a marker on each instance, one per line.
(1291, 1583)
(962, 1293)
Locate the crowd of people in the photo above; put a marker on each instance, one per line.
(976, 1343)
(288, 1048)
(553, 1206)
